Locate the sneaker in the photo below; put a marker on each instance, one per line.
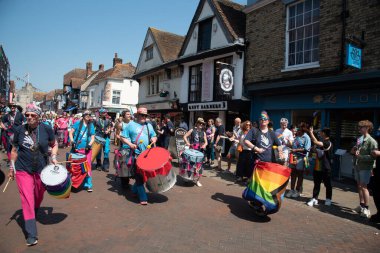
(89, 189)
(198, 184)
(295, 194)
(106, 170)
(312, 202)
(289, 193)
(365, 213)
(99, 168)
(328, 202)
(358, 209)
(31, 241)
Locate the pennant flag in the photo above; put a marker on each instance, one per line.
(268, 185)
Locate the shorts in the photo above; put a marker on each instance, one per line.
(362, 176)
(233, 151)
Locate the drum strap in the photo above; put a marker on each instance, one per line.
(80, 129)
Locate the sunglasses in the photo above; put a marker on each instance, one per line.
(143, 115)
(31, 115)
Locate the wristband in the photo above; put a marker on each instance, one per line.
(12, 165)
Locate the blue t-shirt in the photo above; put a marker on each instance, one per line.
(32, 147)
(84, 134)
(123, 127)
(302, 142)
(133, 129)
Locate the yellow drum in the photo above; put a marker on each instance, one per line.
(97, 146)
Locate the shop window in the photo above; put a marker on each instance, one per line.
(302, 34)
(204, 35)
(195, 83)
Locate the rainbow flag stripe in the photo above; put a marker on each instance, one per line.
(268, 185)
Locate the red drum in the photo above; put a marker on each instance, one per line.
(154, 165)
(78, 168)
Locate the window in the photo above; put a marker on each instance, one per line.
(92, 95)
(116, 97)
(204, 35)
(153, 86)
(195, 83)
(302, 35)
(149, 53)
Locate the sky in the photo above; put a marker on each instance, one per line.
(48, 38)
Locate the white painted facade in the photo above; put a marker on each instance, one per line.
(218, 38)
(101, 94)
(145, 64)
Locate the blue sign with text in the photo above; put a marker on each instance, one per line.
(354, 56)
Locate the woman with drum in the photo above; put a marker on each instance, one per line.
(82, 135)
(198, 141)
(28, 158)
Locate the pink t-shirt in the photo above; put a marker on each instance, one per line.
(62, 122)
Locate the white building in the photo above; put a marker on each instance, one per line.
(114, 89)
(159, 74)
(214, 45)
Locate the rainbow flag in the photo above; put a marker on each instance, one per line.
(268, 185)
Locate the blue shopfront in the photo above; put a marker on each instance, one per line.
(340, 110)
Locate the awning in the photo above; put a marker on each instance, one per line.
(70, 108)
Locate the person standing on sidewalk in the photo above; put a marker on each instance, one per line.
(138, 135)
(210, 134)
(168, 131)
(232, 152)
(244, 166)
(29, 157)
(219, 142)
(9, 123)
(286, 138)
(323, 173)
(376, 181)
(103, 128)
(82, 136)
(300, 151)
(364, 163)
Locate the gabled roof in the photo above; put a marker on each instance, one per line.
(50, 95)
(89, 80)
(120, 71)
(169, 44)
(229, 14)
(75, 77)
(76, 82)
(39, 96)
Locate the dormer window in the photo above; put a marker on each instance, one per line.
(149, 53)
(204, 34)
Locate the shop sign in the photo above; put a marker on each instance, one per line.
(353, 56)
(157, 106)
(213, 106)
(325, 99)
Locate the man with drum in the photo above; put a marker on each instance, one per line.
(82, 135)
(29, 156)
(103, 129)
(138, 135)
(9, 123)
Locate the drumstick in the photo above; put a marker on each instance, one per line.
(7, 184)
(225, 137)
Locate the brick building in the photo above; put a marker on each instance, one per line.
(296, 63)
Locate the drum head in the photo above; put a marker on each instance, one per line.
(153, 159)
(53, 175)
(77, 156)
(100, 139)
(193, 152)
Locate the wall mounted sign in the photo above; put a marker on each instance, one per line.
(226, 80)
(353, 56)
(212, 106)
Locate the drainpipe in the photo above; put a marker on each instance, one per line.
(344, 16)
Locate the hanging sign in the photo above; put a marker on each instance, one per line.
(353, 56)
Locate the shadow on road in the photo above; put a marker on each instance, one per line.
(44, 216)
(239, 207)
(339, 211)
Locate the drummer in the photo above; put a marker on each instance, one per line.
(138, 135)
(28, 158)
(82, 135)
(103, 129)
(198, 139)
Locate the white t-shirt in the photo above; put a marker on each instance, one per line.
(285, 136)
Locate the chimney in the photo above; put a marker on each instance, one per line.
(12, 86)
(88, 68)
(101, 67)
(117, 60)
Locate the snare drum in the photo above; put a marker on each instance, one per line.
(56, 181)
(78, 168)
(154, 165)
(191, 167)
(97, 146)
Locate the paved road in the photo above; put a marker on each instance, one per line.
(213, 218)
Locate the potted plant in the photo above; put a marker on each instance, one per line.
(164, 93)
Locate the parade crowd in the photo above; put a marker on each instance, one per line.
(31, 140)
